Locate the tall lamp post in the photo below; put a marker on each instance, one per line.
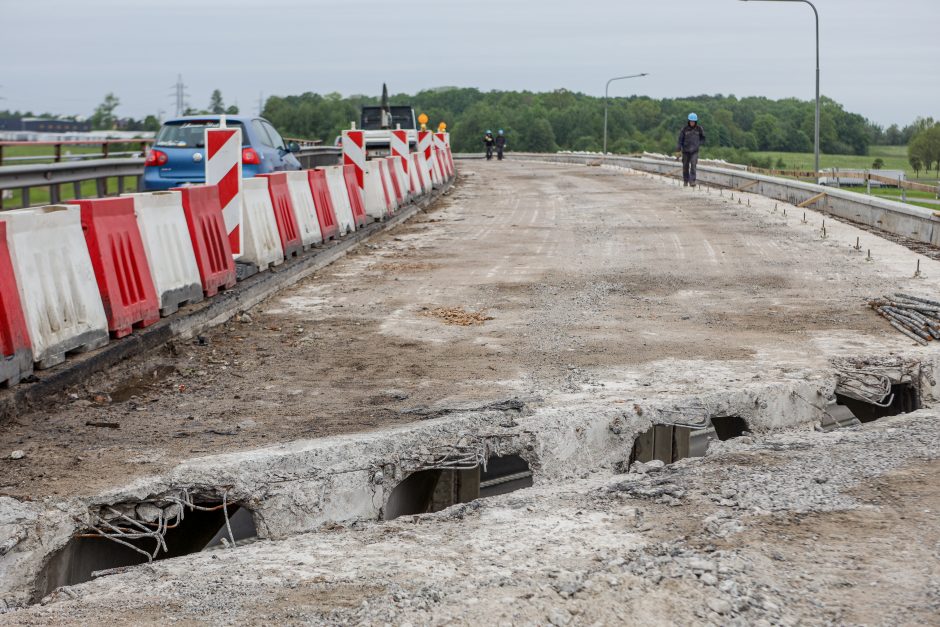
(606, 89)
(816, 132)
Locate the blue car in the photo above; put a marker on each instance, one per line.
(178, 153)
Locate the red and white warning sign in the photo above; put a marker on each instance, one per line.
(224, 168)
(425, 147)
(354, 153)
(399, 146)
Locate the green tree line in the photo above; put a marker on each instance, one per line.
(923, 151)
(565, 120)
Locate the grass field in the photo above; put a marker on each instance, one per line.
(11, 153)
(894, 157)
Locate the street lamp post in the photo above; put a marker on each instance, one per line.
(606, 89)
(816, 131)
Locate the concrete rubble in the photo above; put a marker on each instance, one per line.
(784, 528)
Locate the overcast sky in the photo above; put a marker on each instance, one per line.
(879, 58)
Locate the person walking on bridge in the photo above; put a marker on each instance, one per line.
(489, 141)
(500, 145)
(691, 137)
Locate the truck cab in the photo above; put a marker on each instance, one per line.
(377, 122)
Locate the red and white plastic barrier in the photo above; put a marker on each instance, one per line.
(324, 204)
(441, 143)
(287, 227)
(374, 192)
(224, 168)
(170, 254)
(304, 210)
(262, 240)
(212, 248)
(391, 186)
(336, 184)
(120, 263)
(404, 183)
(16, 354)
(56, 282)
(422, 172)
(354, 193)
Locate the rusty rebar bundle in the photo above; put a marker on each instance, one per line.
(917, 318)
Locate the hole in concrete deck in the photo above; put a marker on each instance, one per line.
(88, 552)
(428, 491)
(727, 427)
(505, 474)
(670, 443)
(905, 399)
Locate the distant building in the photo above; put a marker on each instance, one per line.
(43, 125)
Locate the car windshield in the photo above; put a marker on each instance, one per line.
(189, 134)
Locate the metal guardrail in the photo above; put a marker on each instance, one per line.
(53, 175)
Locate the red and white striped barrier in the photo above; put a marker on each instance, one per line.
(224, 168)
(391, 186)
(399, 147)
(440, 142)
(422, 171)
(404, 183)
(425, 148)
(354, 153)
(56, 282)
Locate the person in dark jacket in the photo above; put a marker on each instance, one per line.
(690, 138)
(500, 144)
(489, 142)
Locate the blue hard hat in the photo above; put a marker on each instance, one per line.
(693, 117)
(489, 132)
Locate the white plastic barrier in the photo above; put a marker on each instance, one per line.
(301, 198)
(398, 170)
(372, 192)
(262, 240)
(56, 282)
(424, 170)
(414, 175)
(169, 248)
(340, 197)
(385, 167)
(437, 177)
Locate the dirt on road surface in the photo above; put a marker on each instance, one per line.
(789, 528)
(584, 286)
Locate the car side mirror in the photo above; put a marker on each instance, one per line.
(293, 147)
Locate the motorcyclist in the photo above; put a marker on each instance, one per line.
(690, 138)
(500, 144)
(489, 141)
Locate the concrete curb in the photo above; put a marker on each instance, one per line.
(193, 319)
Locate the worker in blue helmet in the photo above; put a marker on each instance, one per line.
(489, 141)
(691, 137)
(500, 144)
